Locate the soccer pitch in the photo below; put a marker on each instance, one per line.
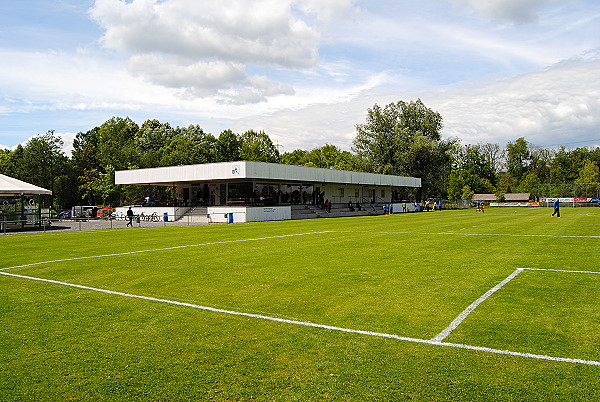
(443, 306)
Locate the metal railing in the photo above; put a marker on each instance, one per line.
(76, 224)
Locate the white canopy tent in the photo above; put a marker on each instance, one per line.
(13, 187)
(21, 204)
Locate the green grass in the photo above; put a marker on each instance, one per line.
(408, 275)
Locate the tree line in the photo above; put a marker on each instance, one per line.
(402, 138)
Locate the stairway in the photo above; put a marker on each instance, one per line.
(195, 215)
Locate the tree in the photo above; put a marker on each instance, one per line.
(456, 183)
(431, 161)
(86, 151)
(506, 183)
(588, 182)
(518, 158)
(40, 161)
(472, 167)
(566, 165)
(541, 159)
(388, 133)
(329, 156)
(116, 143)
(531, 184)
(228, 147)
(5, 161)
(404, 139)
(467, 193)
(150, 142)
(296, 157)
(257, 146)
(589, 173)
(98, 186)
(189, 146)
(492, 156)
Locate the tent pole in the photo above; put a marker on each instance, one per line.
(22, 211)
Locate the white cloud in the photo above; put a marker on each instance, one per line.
(559, 104)
(205, 46)
(172, 72)
(520, 11)
(61, 81)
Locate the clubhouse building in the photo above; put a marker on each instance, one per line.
(256, 191)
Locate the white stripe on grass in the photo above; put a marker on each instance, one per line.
(562, 270)
(469, 234)
(320, 326)
(517, 235)
(461, 317)
(162, 249)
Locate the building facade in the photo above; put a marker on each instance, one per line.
(246, 185)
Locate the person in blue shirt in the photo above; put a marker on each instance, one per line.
(556, 208)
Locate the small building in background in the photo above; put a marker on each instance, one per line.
(508, 197)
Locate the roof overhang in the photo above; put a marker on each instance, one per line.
(245, 170)
(13, 187)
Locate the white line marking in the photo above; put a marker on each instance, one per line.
(473, 234)
(461, 317)
(161, 249)
(561, 270)
(517, 235)
(321, 326)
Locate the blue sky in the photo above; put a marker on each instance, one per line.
(304, 71)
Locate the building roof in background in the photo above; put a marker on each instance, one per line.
(507, 197)
(516, 197)
(15, 187)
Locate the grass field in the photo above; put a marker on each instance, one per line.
(450, 305)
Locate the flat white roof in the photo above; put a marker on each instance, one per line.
(244, 170)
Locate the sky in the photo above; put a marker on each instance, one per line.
(304, 71)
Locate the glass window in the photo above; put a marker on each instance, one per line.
(286, 193)
(296, 196)
(241, 193)
(307, 193)
(223, 194)
(267, 194)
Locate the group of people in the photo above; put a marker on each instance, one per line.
(433, 206)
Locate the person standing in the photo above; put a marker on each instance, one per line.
(556, 208)
(130, 217)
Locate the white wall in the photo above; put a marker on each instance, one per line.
(249, 214)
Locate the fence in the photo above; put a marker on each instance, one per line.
(77, 224)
